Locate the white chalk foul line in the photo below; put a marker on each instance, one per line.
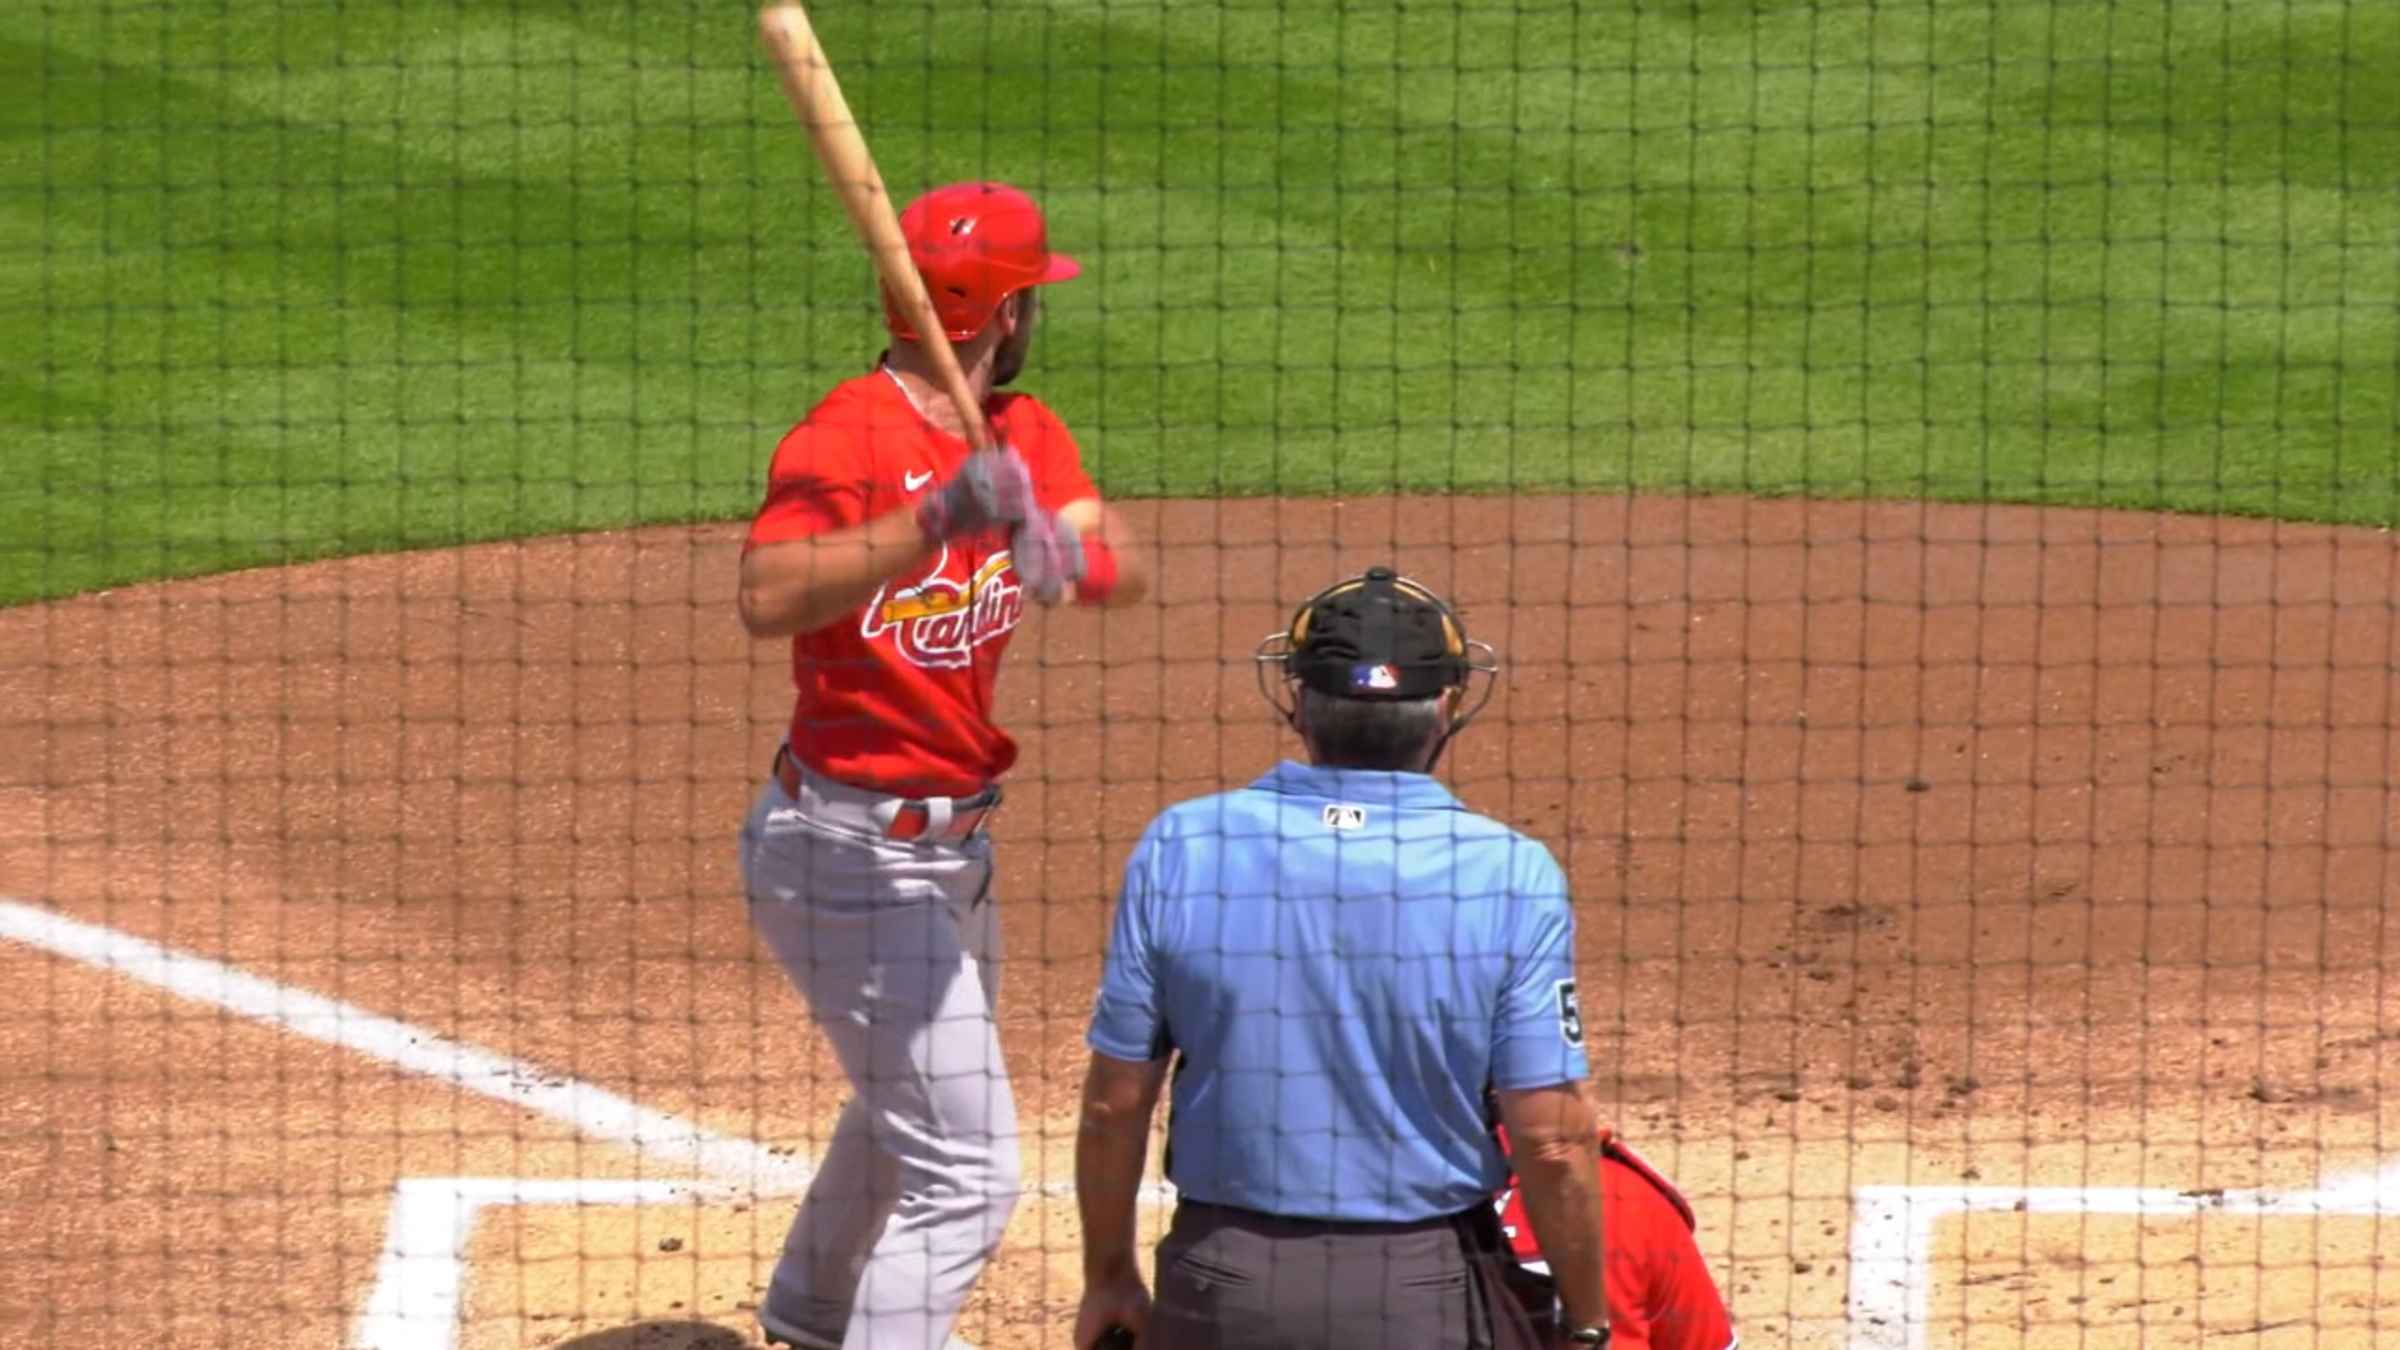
(656, 1137)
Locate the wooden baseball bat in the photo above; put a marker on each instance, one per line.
(816, 99)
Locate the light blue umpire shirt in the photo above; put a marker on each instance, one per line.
(1344, 958)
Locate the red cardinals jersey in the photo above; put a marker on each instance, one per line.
(897, 695)
(1660, 1296)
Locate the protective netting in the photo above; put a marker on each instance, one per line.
(1925, 467)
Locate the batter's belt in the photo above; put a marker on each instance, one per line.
(925, 820)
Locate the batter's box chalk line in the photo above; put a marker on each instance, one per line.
(419, 1295)
(416, 1300)
(1892, 1233)
(420, 1280)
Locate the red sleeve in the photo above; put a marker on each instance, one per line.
(1686, 1311)
(1049, 450)
(815, 483)
(1514, 1226)
(1660, 1294)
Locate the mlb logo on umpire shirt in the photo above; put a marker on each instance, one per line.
(1344, 816)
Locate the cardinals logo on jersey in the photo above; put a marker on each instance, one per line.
(938, 622)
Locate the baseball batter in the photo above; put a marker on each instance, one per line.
(897, 562)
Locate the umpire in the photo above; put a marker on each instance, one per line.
(1344, 958)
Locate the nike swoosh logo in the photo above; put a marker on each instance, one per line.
(910, 482)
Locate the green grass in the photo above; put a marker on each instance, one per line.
(284, 280)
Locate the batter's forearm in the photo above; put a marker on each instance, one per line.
(1131, 564)
(802, 585)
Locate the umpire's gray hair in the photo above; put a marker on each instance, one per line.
(1356, 733)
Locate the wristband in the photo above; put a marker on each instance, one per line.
(1099, 578)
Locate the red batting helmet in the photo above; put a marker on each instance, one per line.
(976, 244)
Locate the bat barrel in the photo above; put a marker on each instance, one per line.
(816, 98)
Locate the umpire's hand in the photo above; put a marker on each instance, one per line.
(1119, 1303)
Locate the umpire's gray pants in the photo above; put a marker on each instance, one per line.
(895, 948)
(1234, 1279)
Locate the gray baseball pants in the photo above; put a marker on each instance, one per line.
(895, 949)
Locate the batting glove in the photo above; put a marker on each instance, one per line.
(993, 488)
(1048, 552)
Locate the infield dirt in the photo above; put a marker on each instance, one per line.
(1912, 844)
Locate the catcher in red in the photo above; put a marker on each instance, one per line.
(1660, 1296)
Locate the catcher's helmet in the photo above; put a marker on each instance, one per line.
(976, 244)
(1378, 635)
